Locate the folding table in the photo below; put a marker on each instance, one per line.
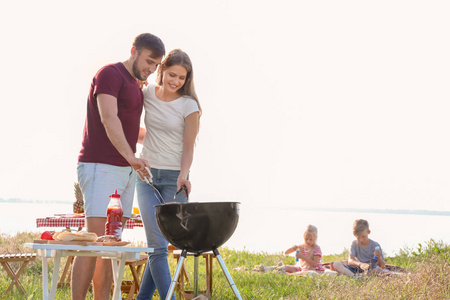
(75, 222)
(24, 258)
(118, 255)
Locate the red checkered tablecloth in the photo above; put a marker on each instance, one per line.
(76, 222)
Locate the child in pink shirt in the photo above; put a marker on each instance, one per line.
(309, 254)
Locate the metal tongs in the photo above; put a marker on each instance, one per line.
(184, 190)
(149, 180)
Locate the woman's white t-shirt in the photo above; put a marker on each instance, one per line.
(164, 122)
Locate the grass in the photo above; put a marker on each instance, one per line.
(428, 276)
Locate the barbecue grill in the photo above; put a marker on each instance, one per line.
(196, 228)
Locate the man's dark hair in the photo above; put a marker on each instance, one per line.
(150, 42)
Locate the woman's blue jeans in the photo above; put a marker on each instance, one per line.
(157, 272)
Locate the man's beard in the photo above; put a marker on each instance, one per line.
(136, 72)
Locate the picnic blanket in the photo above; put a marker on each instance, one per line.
(388, 270)
(279, 268)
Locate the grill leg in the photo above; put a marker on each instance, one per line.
(177, 273)
(227, 274)
(195, 275)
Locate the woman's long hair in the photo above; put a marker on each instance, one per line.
(177, 57)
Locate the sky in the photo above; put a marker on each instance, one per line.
(331, 104)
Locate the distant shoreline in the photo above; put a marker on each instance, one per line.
(377, 211)
(16, 200)
(330, 209)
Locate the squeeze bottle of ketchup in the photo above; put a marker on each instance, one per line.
(114, 214)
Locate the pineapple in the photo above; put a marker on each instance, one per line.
(78, 205)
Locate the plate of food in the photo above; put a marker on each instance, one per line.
(69, 215)
(115, 243)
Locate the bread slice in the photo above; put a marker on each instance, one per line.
(75, 236)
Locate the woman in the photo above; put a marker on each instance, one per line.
(172, 114)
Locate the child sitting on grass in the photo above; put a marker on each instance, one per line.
(362, 253)
(309, 255)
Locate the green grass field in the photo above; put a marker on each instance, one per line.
(427, 277)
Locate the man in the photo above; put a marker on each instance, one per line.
(107, 158)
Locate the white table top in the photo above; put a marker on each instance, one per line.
(87, 248)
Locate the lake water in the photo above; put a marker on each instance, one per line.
(274, 229)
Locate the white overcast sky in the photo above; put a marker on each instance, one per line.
(306, 103)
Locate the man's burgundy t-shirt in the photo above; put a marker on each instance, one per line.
(114, 80)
